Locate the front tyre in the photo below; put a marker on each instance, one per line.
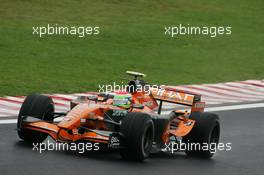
(138, 133)
(40, 107)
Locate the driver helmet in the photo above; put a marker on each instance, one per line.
(122, 100)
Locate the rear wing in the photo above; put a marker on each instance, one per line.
(173, 95)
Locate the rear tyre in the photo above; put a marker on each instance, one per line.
(38, 106)
(206, 131)
(138, 133)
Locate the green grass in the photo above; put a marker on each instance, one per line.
(132, 38)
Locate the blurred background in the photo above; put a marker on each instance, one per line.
(131, 38)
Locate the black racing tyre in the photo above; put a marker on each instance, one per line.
(206, 131)
(137, 130)
(38, 106)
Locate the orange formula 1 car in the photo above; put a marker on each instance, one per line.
(126, 120)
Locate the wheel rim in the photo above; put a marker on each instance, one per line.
(147, 140)
(214, 137)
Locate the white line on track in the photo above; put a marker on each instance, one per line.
(209, 109)
(234, 107)
(8, 121)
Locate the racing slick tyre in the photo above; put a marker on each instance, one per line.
(137, 130)
(37, 106)
(204, 137)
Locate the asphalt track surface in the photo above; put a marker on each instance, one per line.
(243, 128)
